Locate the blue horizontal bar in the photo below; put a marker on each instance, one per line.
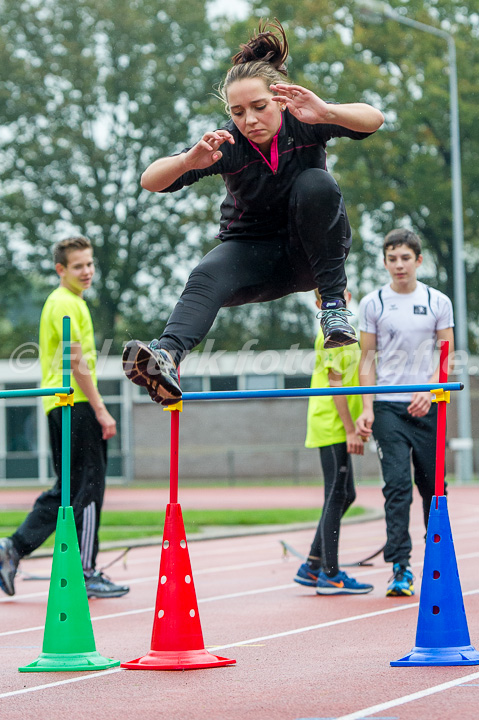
(313, 392)
(35, 392)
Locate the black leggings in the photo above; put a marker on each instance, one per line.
(339, 494)
(239, 272)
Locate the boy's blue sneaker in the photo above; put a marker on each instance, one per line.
(340, 584)
(334, 324)
(402, 582)
(151, 367)
(306, 575)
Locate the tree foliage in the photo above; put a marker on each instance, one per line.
(93, 92)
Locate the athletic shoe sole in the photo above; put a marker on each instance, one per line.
(111, 594)
(344, 340)
(305, 581)
(143, 368)
(7, 573)
(6, 586)
(400, 593)
(341, 591)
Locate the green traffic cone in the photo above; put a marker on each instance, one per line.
(68, 642)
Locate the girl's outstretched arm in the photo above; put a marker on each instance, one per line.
(309, 108)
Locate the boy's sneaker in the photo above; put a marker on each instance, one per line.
(152, 368)
(336, 329)
(340, 584)
(402, 582)
(9, 559)
(306, 575)
(99, 586)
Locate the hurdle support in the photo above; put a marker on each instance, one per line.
(36, 392)
(68, 642)
(177, 639)
(319, 392)
(442, 636)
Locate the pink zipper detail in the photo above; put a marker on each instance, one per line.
(273, 165)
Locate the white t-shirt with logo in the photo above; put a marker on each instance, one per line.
(405, 325)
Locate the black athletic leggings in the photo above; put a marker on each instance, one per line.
(249, 271)
(339, 494)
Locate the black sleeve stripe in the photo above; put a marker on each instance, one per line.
(429, 300)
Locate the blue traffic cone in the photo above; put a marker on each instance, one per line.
(442, 636)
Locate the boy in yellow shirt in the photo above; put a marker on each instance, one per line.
(91, 425)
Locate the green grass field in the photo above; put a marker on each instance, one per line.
(139, 524)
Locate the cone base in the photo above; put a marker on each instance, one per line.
(69, 662)
(462, 655)
(177, 660)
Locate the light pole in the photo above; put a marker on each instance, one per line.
(372, 10)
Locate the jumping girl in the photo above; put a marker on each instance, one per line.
(283, 226)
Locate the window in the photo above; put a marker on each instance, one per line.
(18, 386)
(225, 382)
(109, 387)
(21, 428)
(191, 384)
(261, 382)
(297, 381)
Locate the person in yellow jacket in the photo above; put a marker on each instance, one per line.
(91, 425)
(331, 428)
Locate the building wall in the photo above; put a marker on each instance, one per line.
(219, 440)
(233, 440)
(229, 440)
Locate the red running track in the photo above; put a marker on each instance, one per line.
(299, 656)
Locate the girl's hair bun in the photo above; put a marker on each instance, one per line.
(265, 46)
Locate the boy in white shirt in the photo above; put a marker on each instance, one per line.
(400, 326)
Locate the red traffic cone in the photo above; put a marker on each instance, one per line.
(177, 639)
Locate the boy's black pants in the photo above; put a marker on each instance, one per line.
(88, 472)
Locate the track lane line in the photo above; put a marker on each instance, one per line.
(366, 712)
(354, 716)
(245, 593)
(309, 628)
(138, 611)
(242, 566)
(98, 673)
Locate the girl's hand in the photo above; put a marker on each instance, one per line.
(302, 103)
(206, 152)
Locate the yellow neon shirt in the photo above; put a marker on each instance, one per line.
(59, 303)
(325, 427)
